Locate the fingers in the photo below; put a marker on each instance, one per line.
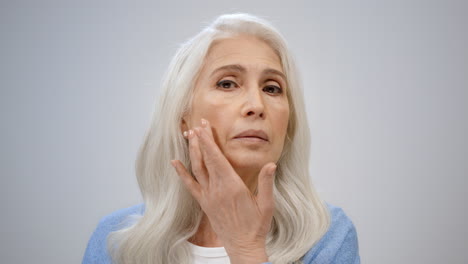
(214, 159)
(266, 179)
(208, 161)
(196, 159)
(208, 145)
(207, 126)
(187, 179)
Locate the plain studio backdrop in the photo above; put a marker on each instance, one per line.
(386, 91)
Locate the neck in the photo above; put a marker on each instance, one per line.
(205, 236)
(249, 177)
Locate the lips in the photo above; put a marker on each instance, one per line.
(251, 133)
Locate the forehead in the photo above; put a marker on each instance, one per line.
(244, 50)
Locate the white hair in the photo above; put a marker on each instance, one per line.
(172, 215)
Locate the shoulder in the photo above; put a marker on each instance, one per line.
(96, 250)
(339, 244)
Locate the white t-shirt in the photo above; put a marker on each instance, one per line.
(209, 255)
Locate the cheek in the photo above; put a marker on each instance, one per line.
(206, 106)
(281, 118)
(280, 125)
(212, 108)
(218, 112)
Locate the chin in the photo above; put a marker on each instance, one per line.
(246, 161)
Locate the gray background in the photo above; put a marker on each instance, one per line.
(386, 90)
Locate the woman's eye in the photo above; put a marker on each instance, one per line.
(226, 84)
(272, 89)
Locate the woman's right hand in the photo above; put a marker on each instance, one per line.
(240, 219)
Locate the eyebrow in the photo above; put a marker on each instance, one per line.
(239, 68)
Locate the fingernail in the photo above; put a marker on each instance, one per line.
(185, 134)
(190, 133)
(203, 122)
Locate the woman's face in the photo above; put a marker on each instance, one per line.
(241, 91)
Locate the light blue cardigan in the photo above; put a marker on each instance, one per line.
(339, 245)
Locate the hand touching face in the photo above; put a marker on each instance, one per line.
(240, 219)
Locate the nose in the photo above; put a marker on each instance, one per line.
(253, 105)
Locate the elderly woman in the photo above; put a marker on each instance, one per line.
(223, 169)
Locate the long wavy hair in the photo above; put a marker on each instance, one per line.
(172, 215)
